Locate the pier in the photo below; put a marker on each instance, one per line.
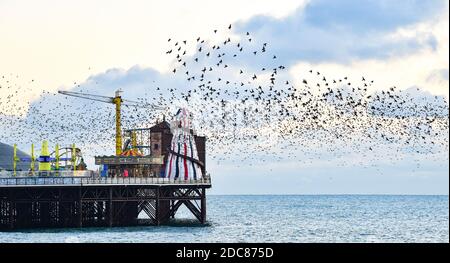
(90, 201)
(57, 190)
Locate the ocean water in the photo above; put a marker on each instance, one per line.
(290, 218)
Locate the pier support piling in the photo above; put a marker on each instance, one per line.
(110, 207)
(203, 206)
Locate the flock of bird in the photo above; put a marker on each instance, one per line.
(251, 111)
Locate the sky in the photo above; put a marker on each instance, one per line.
(52, 45)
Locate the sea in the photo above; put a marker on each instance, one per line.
(280, 218)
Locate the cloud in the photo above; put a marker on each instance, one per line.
(342, 31)
(368, 15)
(438, 76)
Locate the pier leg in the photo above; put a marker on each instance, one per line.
(157, 212)
(80, 209)
(61, 218)
(12, 202)
(172, 212)
(203, 206)
(99, 216)
(110, 207)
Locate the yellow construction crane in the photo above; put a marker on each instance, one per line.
(118, 101)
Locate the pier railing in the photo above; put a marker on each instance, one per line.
(87, 179)
(142, 180)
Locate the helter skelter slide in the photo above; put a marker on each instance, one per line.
(183, 162)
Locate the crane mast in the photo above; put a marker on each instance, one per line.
(118, 101)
